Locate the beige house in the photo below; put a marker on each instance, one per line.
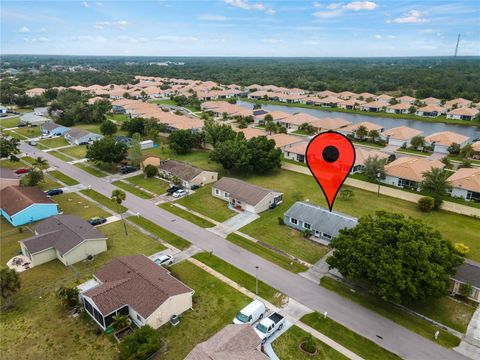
(463, 113)
(67, 238)
(369, 126)
(244, 196)
(188, 174)
(284, 141)
(465, 184)
(459, 103)
(407, 172)
(137, 287)
(431, 101)
(8, 178)
(442, 140)
(400, 135)
(400, 108)
(326, 124)
(468, 274)
(296, 152)
(431, 111)
(406, 99)
(374, 106)
(362, 154)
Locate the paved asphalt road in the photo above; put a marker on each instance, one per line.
(369, 324)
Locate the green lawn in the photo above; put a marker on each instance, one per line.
(286, 347)
(54, 142)
(63, 178)
(267, 253)
(59, 155)
(186, 215)
(95, 128)
(48, 184)
(28, 132)
(242, 278)
(10, 236)
(132, 189)
(395, 314)
(8, 164)
(203, 202)
(91, 170)
(9, 123)
(77, 152)
(119, 118)
(348, 338)
(74, 204)
(215, 304)
(162, 233)
(28, 159)
(155, 185)
(105, 201)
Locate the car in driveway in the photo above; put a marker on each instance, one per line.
(53, 192)
(250, 313)
(21, 171)
(173, 189)
(32, 143)
(163, 260)
(127, 169)
(97, 220)
(269, 325)
(179, 193)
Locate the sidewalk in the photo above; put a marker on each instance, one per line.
(388, 191)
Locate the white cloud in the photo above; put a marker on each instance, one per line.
(175, 38)
(333, 6)
(121, 24)
(412, 17)
(24, 30)
(337, 9)
(377, 36)
(131, 39)
(88, 39)
(85, 4)
(209, 17)
(384, 37)
(246, 5)
(272, 41)
(360, 5)
(42, 30)
(41, 39)
(317, 4)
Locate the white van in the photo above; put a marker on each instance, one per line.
(250, 313)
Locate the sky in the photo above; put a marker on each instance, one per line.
(241, 28)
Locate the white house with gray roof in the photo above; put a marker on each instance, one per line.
(79, 136)
(67, 238)
(51, 128)
(322, 223)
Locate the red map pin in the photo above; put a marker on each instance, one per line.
(330, 157)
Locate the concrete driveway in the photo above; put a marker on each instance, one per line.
(234, 223)
(267, 347)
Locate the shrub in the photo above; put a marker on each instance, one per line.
(465, 290)
(150, 171)
(143, 343)
(280, 221)
(426, 203)
(461, 248)
(307, 233)
(308, 344)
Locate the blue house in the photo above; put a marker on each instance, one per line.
(51, 128)
(22, 205)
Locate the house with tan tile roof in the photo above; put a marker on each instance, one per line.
(463, 113)
(351, 129)
(362, 154)
(458, 102)
(431, 111)
(259, 94)
(35, 92)
(325, 93)
(406, 99)
(329, 101)
(365, 96)
(350, 104)
(384, 98)
(326, 124)
(476, 147)
(374, 106)
(431, 101)
(312, 100)
(290, 98)
(346, 95)
(134, 286)
(400, 135)
(465, 183)
(284, 141)
(440, 141)
(407, 172)
(294, 121)
(278, 115)
(296, 152)
(251, 132)
(218, 108)
(400, 108)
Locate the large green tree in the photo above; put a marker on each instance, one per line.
(216, 132)
(373, 167)
(182, 141)
(8, 146)
(108, 127)
(107, 150)
(400, 259)
(9, 285)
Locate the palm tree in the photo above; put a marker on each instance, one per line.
(467, 151)
(270, 126)
(373, 135)
(120, 321)
(435, 183)
(118, 196)
(41, 163)
(9, 284)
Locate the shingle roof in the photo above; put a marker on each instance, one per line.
(14, 199)
(50, 125)
(233, 342)
(469, 273)
(241, 190)
(76, 133)
(320, 218)
(181, 170)
(136, 281)
(7, 174)
(62, 232)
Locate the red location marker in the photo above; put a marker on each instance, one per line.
(330, 158)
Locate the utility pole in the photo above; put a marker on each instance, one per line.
(256, 280)
(456, 47)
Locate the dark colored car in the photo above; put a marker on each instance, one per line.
(54, 192)
(21, 125)
(194, 187)
(97, 220)
(127, 169)
(173, 189)
(21, 171)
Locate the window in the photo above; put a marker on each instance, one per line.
(325, 235)
(139, 318)
(225, 195)
(294, 221)
(306, 225)
(217, 192)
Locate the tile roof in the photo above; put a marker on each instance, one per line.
(180, 169)
(446, 138)
(411, 168)
(464, 111)
(399, 106)
(363, 154)
(367, 124)
(251, 132)
(466, 178)
(279, 115)
(135, 281)
(300, 149)
(476, 146)
(330, 123)
(299, 119)
(14, 199)
(241, 190)
(402, 133)
(62, 232)
(282, 140)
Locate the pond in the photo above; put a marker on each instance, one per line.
(428, 128)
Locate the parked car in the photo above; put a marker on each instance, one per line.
(250, 313)
(21, 125)
(269, 325)
(32, 143)
(46, 136)
(179, 193)
(164, 260)
(21, 171)
(173, 189)
(127, 169)
(53, 192)
(97, 220)
(194, 187)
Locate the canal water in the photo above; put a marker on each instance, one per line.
(428, 128)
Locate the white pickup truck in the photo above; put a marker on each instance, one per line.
(269, 325)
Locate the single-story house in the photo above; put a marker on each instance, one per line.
(188, 174)
(151, 160)
(8, 178)
(284, 141)
(369, 126)
(137, 287)
(400, 108)
(384, 98)
(22, 205)
(467, 274)
(322, 223)
(235, 342)
(363, 154)
(442, 140)
(251, 132)
(330, 101)
(350, 104)
(33, 120)
(406, 99)
(326, 93)
(431, 101)
(326, 124)
(292, 122)
(79, 136)
(374, 106)
(345, 95)
(277, 116)
(245, 196)
(459, 103)
(400, 135)
(51, 128)
(366, 95)
(431, 111)
(465, 183)
(67, 238)
(407, 172)
(296, 152)
(463, 113)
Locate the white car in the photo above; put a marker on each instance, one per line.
(179, 193)
(164, 260)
